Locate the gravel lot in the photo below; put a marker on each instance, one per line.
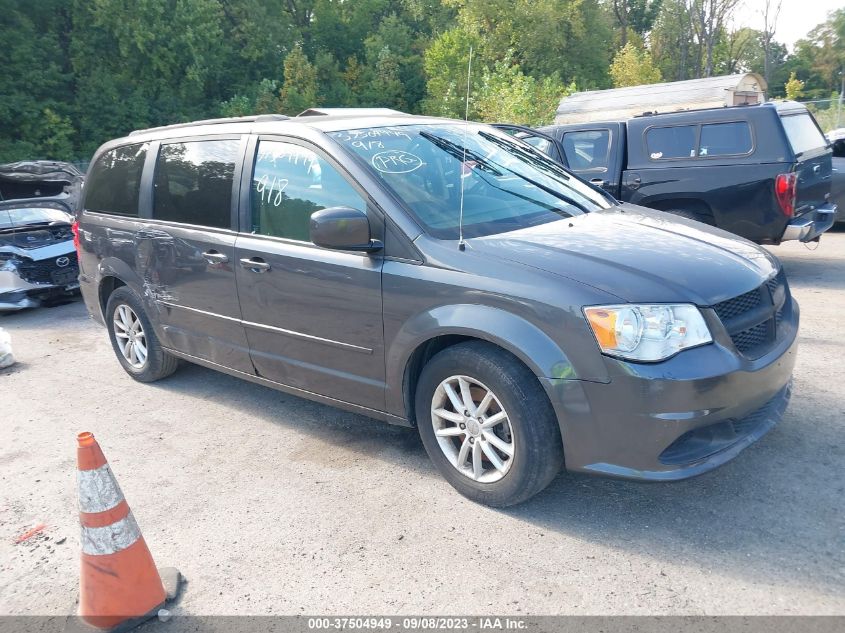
(271, 504)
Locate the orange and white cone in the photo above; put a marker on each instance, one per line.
(119, 581)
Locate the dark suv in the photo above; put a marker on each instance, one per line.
(442, 276)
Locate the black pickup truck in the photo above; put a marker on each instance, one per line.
(760, 171)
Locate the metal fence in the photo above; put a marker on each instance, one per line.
(830, 113)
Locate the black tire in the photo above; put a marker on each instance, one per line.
(538, 450)
(158, 363)
(698, 216)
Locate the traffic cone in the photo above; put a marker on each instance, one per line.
(119, 583)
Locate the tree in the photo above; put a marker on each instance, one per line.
(633, 66)
(385, 87)
(299, 91)
(672, 41)
(793, 87)
(709, 18)
(332, 91)
(770, 13)
(35, 79)
(570, 38)
(506, 94)
(738, 50)
(820, 57)
(636, 15)
(446, 63)
(392, 50)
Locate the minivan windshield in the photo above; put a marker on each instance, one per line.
(802, 132)
(507, 184)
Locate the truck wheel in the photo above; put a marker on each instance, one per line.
(487, 424)
(698, 216)
(133, 339)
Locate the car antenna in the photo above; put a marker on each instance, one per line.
(462, 245)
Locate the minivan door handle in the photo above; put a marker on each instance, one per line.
(213, 257)
(255, 264)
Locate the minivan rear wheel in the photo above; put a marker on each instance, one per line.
(487, 424)
(133, 339)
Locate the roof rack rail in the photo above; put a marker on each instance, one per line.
(257, 118)
(349, 112)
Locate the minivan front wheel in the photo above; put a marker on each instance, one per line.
(487, 424)
(133, 339)
(472, 429)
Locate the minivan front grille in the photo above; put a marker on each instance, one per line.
(738, 306)
(752, 338)
(753, 319)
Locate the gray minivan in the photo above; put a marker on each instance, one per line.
(441, 275)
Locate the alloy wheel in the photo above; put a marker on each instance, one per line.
(130, 335)
(472, 429)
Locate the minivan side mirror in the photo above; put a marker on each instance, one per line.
(839, 148)
(344, 229)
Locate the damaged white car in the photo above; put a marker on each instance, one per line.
(37, 255)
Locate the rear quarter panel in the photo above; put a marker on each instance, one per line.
(742, 200)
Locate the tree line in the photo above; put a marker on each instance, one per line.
(79, 72)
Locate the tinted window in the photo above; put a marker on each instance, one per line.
(587, 150)
(291, 182)
(802, 132)
(115, 180)
(193, 182)
(671, 142)
(507, 185)
(725, 139)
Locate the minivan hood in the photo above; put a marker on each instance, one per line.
(639, 255)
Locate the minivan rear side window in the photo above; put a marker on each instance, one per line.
(114, 181)
(671, 142)
(193, 182)
(802, 132)
(725, 139)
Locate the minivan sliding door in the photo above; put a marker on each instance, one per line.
(187, 248)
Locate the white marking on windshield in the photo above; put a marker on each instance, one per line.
(396, 162)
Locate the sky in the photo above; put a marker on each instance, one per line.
(797, 17)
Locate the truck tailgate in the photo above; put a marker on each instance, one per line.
(813, 168)
(812, 189)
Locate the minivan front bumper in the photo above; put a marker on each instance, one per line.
(811, 225)
(677, 419)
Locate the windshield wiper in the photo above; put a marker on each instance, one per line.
(529, 152)
(459, 152)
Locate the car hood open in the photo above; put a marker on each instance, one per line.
(639, 255)
(43, 180)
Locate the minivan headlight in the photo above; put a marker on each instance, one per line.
(647, 332)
